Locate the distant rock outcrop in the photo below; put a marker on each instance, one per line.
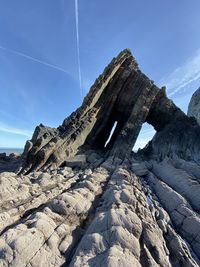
(11, 163)
(194, 106)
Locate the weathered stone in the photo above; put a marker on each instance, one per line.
(178, 136)
(79, 161)
(11, 163)
(180, 181)
(119, 226)
(121, 95)
(86, 200)
(181, 213)
(2, 156)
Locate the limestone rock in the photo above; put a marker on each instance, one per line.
(97, 217)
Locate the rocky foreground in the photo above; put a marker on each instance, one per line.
(79, 196)
(130, 214)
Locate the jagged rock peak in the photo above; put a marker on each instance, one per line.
(194, 106)
(124, 97)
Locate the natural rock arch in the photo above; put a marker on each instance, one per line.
(125, 95)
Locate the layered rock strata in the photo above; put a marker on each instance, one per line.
(125, 97)
(106, 216)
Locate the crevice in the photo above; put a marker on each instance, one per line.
(32, 211)
(178, 229)
(143, 255)
(33, 196)
(81, 229)
(182, 194)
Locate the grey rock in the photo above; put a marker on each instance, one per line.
(2, 156)
(194, 106)
(180, 211)
(11, 163)
(79, 161)
(180, 181)
(139, 168)
(99, 217)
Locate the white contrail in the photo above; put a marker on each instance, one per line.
(33, 59)
(78, 48)
(9, 129)
(183, 76)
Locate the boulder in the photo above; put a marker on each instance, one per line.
(2, 156)
(79, 161)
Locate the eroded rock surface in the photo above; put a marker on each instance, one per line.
(121, 96)
(10, 163)
(105, 216)
(81, 200)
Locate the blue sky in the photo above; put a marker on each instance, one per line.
(39, 77)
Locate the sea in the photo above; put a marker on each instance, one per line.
(9, 150)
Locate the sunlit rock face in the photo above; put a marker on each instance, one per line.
(83, 198)
(121, 96)
(194, 106)
(133, 213)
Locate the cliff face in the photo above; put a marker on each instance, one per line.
(124, 96)
(194, 106)
(82, 201)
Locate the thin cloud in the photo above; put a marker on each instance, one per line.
(9, 129)
(78, 47)
(33, 59)
(183, 76)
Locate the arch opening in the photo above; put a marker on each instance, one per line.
(146, 134)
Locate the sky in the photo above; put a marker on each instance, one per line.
(40, 65)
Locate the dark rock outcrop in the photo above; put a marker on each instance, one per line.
(124, 96)
(177, 134)
(194, 106)
(11, 163)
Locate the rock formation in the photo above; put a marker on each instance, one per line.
(84, 199)
(122, 95)
(194, 106)
(10, 163)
